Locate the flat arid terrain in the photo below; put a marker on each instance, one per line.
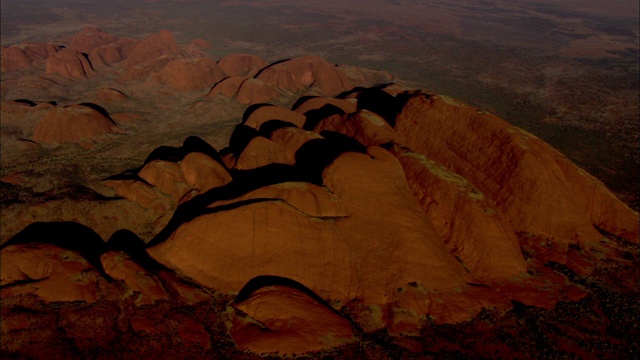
(566, 71)
(321, 179)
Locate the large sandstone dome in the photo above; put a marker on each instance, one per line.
(82, 124)
(309, 71)
(69, 63)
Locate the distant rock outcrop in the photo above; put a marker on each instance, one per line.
(227, 87)
(75, 123)
(241, 64)
(106, 55)
(254, 91)
(298, 74)
(190, 74)
(90, 38)
(151, 48)
(69, 63)
(21, 56)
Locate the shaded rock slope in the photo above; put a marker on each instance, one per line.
(359, 222)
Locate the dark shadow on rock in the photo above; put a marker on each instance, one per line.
(359, 89)
(241, 137)
(314, 116)
(196, 144)
(268, 127)
(26, 102)
(315, 155)
(251, 109)
(263, 281)
(355, 90)
(311, 160)
(381, 103)
(129, 175)
(119, 92)
(67, 235)
(99, 109)
(127, 241)
(244, 181)
(175, 154)
(86, 56)
(165, 153)
(301, 100)
(268, 66)
(74, 191)
(219, 82)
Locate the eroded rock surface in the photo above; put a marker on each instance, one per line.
(377, 217)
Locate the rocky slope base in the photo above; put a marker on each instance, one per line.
(366, 222)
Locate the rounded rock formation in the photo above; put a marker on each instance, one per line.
(190, 74)
(69, 63)
(241, 64)
(90, 38)
(75, 123)
(298, 74)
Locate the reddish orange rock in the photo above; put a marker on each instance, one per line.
(260, 152)
(142, 71)
(146, 288)
(53, 273)
(311, 200)
(127, 117)
(292, 138)
(266, 113)
(604, 209)
(366, 127)
(293, 236)
(111, 95)
(21, 56)
(69, 63)
(190, 74)
(75, 123)
(523, 175)
(292, 322)
(467, 221)
(254, 91)
(151, 48)
(90, 38)
(203, 173)
(299, 74)
(14, 58)
(241, 64)
(106, 55)
(167, 177)
(40, 50)
(136, 191)
(227, 87)
(195, 47)
(347, 105)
